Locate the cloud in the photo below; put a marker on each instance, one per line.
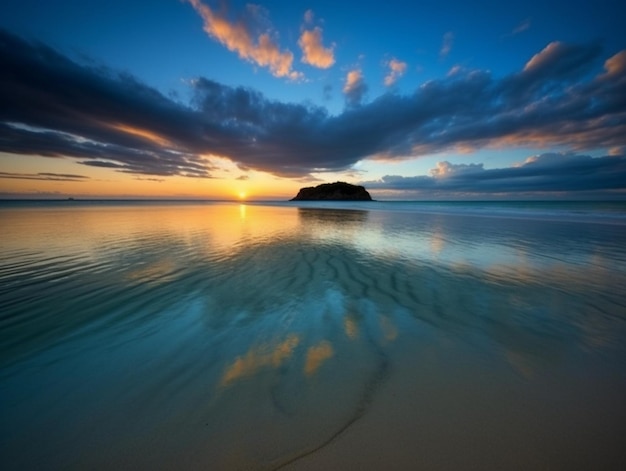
(238, 38)
(396, 70)
(523, 26)
(446, 46)
(59, 177)
(308, 16)
(446, 169)
(615, 66)
(617, 151)
(355, 87)
(544, 173)
(327, 92)
(520, 28)
(52, 106)
(561, 59)
(150, 179)
(314, 53)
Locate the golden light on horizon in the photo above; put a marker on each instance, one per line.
(103, 182)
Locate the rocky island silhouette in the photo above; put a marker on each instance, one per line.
(338, 191)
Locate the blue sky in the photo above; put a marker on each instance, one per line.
(413, 99)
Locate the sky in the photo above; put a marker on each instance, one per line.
(234, 100)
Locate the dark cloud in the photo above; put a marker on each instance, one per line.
(542, 173)
(53, 106)
(59, 177)
(148, 179)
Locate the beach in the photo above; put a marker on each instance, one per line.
(264, 336)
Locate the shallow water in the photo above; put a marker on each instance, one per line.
(226, 336)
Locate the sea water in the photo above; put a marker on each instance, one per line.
(152, 335)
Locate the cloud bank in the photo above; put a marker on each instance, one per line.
(53, 106)
(544, 173)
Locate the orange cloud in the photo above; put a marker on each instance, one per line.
(355, 87)
(237, 38)
(396, 70)
(545, 55)
(314, 53)
(353, 79)
(143, 133)
(615, 65)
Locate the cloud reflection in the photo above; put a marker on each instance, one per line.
(268, 355)
(388, 328)
(316, 356)
(351, 326)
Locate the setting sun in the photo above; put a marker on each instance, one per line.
(242, 195)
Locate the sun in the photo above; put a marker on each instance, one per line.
(242, 195)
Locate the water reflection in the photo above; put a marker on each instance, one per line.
(263, 356)
(389, 330)
(333, 217)
(562, 279)
(253, 336)
(316, 355)
(161, 271)
(351, 326)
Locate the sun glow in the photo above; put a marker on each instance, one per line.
(242, 195)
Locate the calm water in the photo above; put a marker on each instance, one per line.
(262, 337)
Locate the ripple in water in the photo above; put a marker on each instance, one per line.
(256, 337)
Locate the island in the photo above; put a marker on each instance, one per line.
(338, 191)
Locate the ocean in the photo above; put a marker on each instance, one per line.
(304, 336)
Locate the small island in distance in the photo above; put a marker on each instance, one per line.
(338, 191)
